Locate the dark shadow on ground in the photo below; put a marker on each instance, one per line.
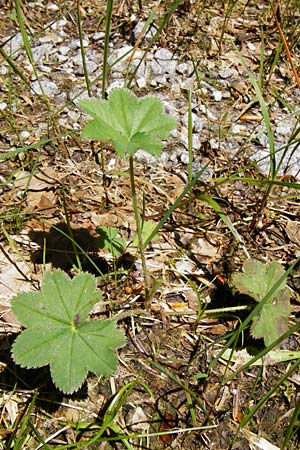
(222, 296)
(62, 245)
(16, 378)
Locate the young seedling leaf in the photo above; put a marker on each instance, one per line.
(257, 281)
(129, 122)
(59, 333)
(110, 241)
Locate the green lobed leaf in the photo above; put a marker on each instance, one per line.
(110, 241)
(257, 281)
(59, 332)
(129, 122)
(273, 319)
(258, 278)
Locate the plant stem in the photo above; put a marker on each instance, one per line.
(190, 136)
(139, 231)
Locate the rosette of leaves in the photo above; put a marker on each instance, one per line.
(59, 332)
(257, 281)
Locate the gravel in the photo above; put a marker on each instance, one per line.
(55, 52)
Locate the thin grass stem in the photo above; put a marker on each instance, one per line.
(139, 231)
(84, 66)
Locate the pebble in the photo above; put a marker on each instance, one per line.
(52, 7)
(185, 69)
(40, 52)
(49, 87)
(148, 36)
(99, 36)
(64, 49)
(14, 44)
(198, 122)
(56, 50)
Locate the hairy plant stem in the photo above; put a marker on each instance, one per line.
(139, 232)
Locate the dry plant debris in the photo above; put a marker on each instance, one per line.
(60, 185)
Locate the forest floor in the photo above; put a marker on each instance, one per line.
(64, 182)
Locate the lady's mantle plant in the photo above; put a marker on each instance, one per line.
(129, 123)
(59, 333)
(58, 330)
(258, 281)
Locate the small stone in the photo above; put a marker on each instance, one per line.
(262, 139)
(285, 127)
(185, 69)
(147, 36)
(238, 129)
(59, 24)
(228, 72)
(198, 123)
(24, 134)
(52, 7)
(64, 49)
(14, 44)
(156, 68)
(74, 115)
(49, 87)
(3, 70)
(75, 43)
(120, 55)
(145, 157)
(217, 96)
(196, 144)
(137, 420)
(187, 84)
(91, 67)
(41, 52)
(51, 38)
(141, 82)
(45, 69)
(119, 83)
(99, 36)
(184, 157)
(163, 54)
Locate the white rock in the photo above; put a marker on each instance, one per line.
(198, 122)
(59, 24)
(99, 36)
(141, 82)
(164, 54)
(228, 72)
(14, 44)
(147, 36)
(52, 7)
(49, 87)
(184, 139)
(185, 68)
(75, 43)
(285, 127)
(217, 96)
(238, 128)
(24, 134)
(40, 52)
(64, 49)
(122, 53)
